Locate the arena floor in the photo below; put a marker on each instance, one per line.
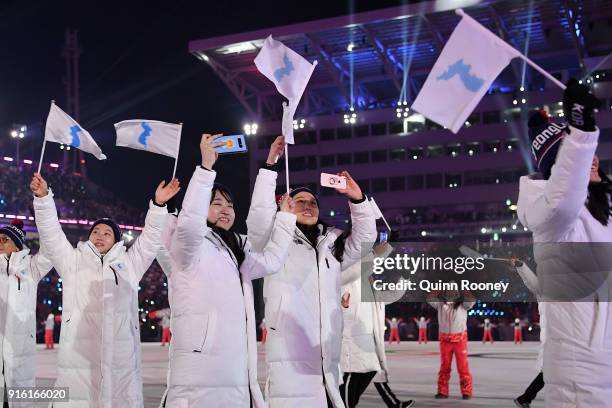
(501, 372)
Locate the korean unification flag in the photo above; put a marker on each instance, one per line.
(290, 73)
(150, 135)
(61, 128)
(469, 63)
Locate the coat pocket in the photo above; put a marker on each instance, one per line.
(66, 323)
(274, 314)
(202, 332)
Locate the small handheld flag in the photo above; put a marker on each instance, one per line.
(290, 73)
(149, 135)
(61, 128)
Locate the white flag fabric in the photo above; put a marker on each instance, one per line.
(469, 63)
(290, 73)
(61, 128)
(150, 135)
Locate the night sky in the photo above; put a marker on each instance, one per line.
(135, 65)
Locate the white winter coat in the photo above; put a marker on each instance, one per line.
(302, 307)
(363, 337)
(20, 273)
(99, 355)
(578, 347)
(531, 281)
(213, 353)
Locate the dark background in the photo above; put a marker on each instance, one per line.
(135, 64)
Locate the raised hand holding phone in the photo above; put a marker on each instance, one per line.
(333, 181)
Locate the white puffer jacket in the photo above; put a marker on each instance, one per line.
(20, 273)
(363, 337)
(99, 355)
(213, 353)
(531, 281)
(302, 308)
(578, 347)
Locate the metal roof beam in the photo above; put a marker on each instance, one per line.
(248, 96)
(438, 39)
(390, 63)
(335, 70)
(339, 73)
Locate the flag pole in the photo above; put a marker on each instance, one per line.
(535, 66)
(386, 223)
(287, 166)
(42, 153)
(543, 72)
(178, 147)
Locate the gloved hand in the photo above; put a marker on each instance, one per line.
(579, 105)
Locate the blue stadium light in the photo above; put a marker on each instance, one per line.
(350, 47)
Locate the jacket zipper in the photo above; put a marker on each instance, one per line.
(319, 296)
(8, 261)
(114, 273)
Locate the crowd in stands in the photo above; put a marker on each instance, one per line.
(75, 196)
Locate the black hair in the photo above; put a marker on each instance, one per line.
(231, 238)
(598, 199)
(312, 232)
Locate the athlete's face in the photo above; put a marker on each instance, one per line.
(306, 208)
(595, 178)
(103, 238)
(221, 211)
(7, 245)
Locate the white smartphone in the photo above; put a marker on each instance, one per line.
(333, 181)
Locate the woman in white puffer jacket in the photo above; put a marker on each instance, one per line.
(363, 355)
(302, 307)
(213, 353)
(20, 273)
(99, 357)
(567, 209)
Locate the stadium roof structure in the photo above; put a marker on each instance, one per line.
(390, 51)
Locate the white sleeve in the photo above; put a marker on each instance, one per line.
(529, 278)
(363, 231)
(191, 228)
(40, 266)
(262, 211)
(53, 242)
(272, 258)
(144, 250)
(163, 254)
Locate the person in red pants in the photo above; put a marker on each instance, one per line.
(166, 334)
(452, 309)
(164, 315)
(422, 323)
(394, 326)
(518, 331)
(49, 326)
(488, 334)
